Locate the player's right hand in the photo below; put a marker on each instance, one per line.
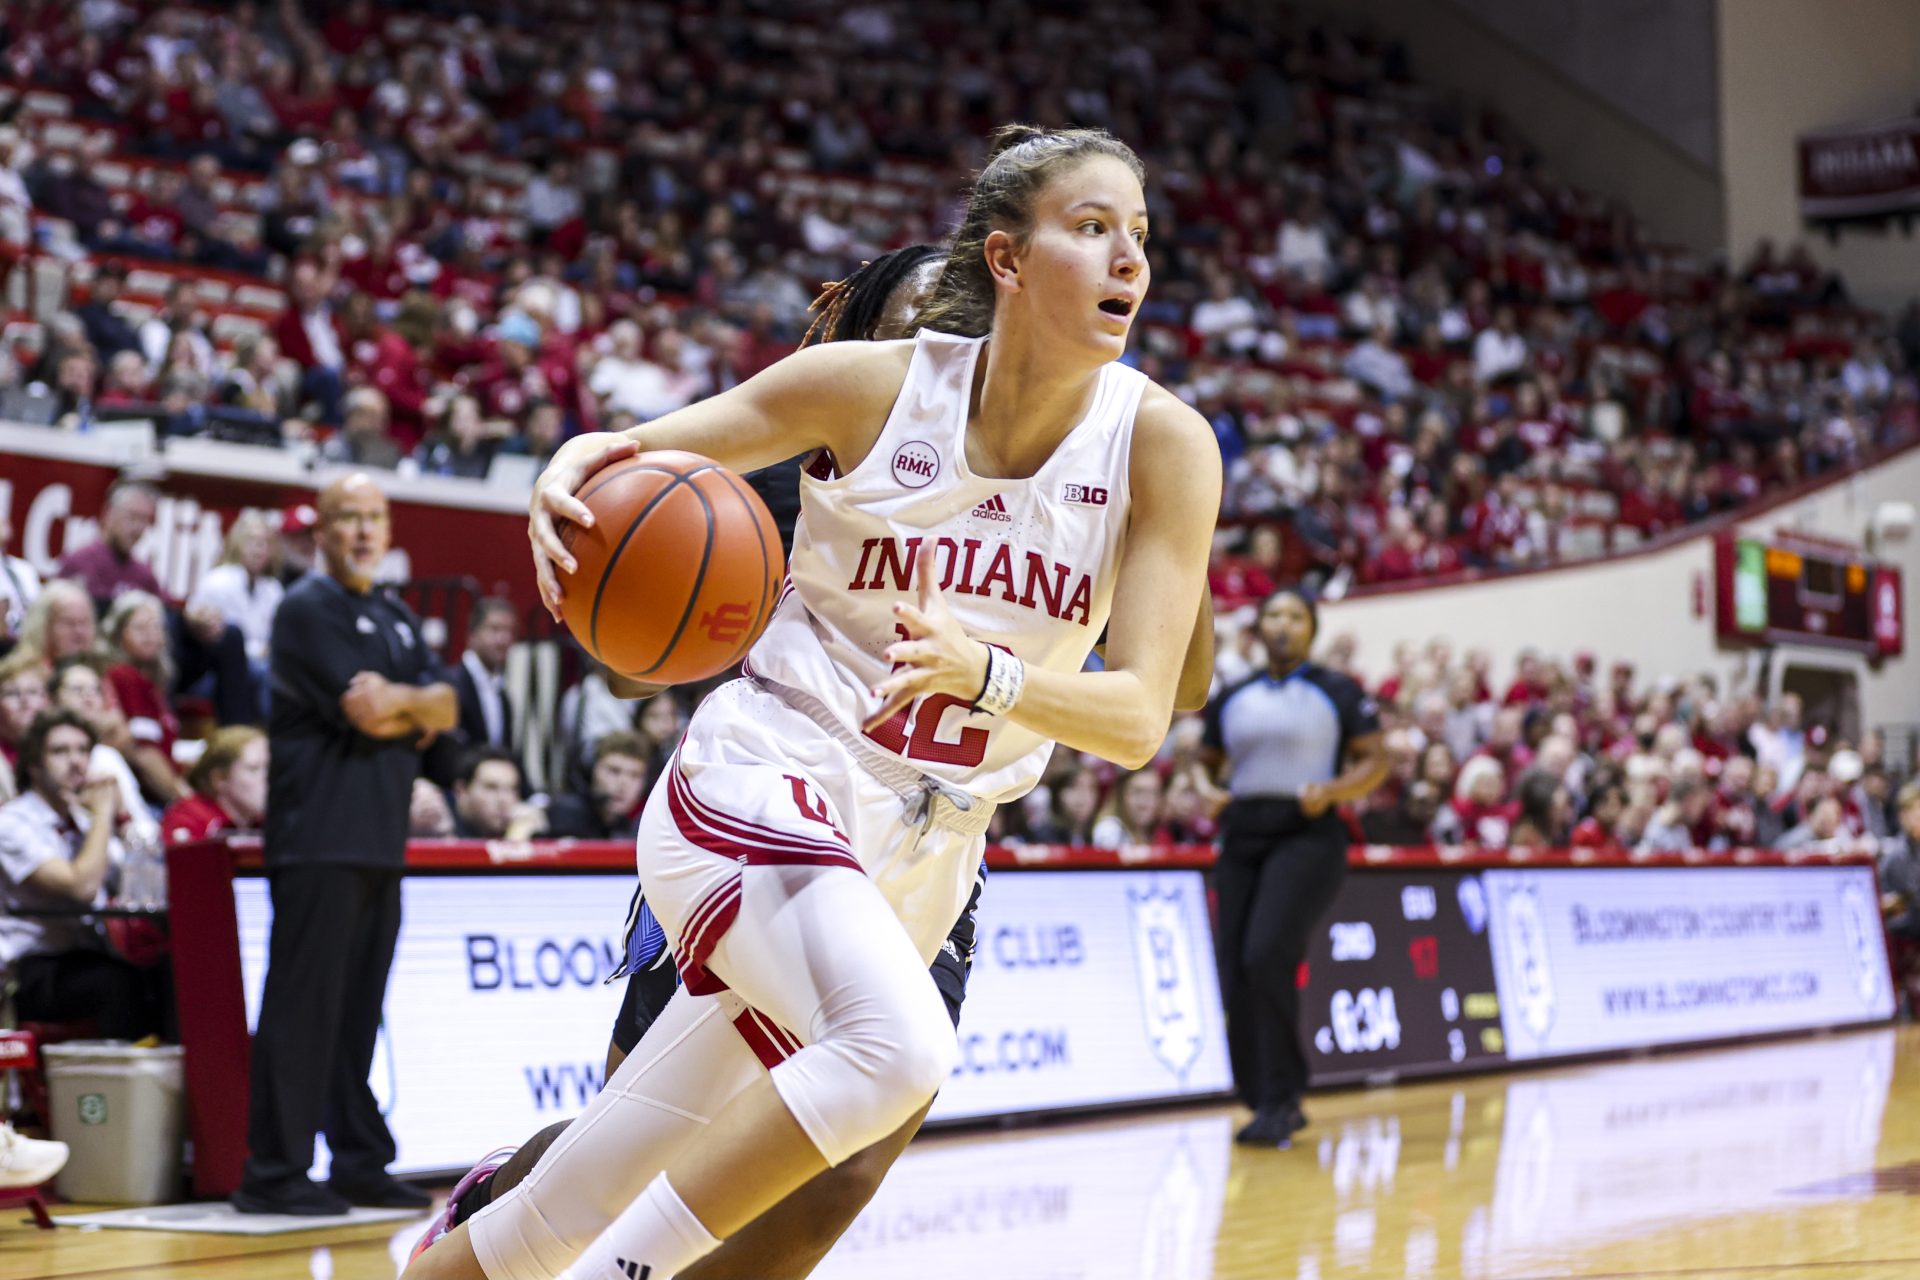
(553, 501)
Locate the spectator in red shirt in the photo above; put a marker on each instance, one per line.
(203, 644)
(107, 567)
(1439, 552)
(1595, 830)
(1478, 813)
(380, 358)
(508, 383)
(1530, 685)
(154, 224)
(1399, 557)
(382, 270)
(309, 335)
(1544, 812)
(136, 628)
(348, 31)
(229, 783)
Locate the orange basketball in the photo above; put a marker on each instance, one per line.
(679, 573)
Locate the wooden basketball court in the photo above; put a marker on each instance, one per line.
(1786, 1159)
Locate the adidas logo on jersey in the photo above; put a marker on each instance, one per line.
(633, 1270)
(994, 508)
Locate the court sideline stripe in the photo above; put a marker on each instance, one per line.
(1754, 1269)
(184, 1266)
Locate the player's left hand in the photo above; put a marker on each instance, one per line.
(938, 656)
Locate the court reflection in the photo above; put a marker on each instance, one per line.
(1486, 1178)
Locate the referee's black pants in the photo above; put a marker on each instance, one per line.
(1275, 878)
(334, 930)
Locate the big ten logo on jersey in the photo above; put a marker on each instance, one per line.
(728, 623)
(812, 805)
(1087, 495)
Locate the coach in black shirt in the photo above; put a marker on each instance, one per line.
(355, 699)
(1294, 741)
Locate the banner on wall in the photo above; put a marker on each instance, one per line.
(1600, 959)
(1861, 171)
(53, 485)
(1088, 988)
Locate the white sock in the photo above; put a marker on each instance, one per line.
(654, 1238)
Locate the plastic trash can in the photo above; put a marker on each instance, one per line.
(122, 1111)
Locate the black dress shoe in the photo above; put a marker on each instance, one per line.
(389, 1193)
(299, 1199)
(1271, 1127)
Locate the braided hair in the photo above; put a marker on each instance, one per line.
(850, 308)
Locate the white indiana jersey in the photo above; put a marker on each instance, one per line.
(1025, 564)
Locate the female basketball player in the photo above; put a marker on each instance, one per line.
(877, 302)
(978, 508)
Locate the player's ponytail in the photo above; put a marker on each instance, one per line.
(1022, 159)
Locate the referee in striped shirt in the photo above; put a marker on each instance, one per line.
(1290, 744)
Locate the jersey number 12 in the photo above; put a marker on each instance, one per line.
(912, 731)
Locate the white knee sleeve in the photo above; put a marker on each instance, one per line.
(883, 1051)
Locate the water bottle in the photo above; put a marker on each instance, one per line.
(143, 880)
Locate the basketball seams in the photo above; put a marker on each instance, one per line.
(699, 577)
(725, 547)
(601, 480)
(741, 492)
(613, 556)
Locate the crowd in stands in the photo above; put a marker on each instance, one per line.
(404, 240)
(475, 235)
(1566, 755)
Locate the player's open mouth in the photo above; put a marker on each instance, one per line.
(1122, 307)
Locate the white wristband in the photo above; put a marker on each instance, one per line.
(1006, 679)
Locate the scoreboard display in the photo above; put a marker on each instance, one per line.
(1399, 979)
(1795, 590)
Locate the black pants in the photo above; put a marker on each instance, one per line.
(1276, 877)
(129, 1003)
(334, 930)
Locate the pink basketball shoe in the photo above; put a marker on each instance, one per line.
(474, 1177)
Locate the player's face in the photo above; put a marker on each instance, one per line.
(1084, 272)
